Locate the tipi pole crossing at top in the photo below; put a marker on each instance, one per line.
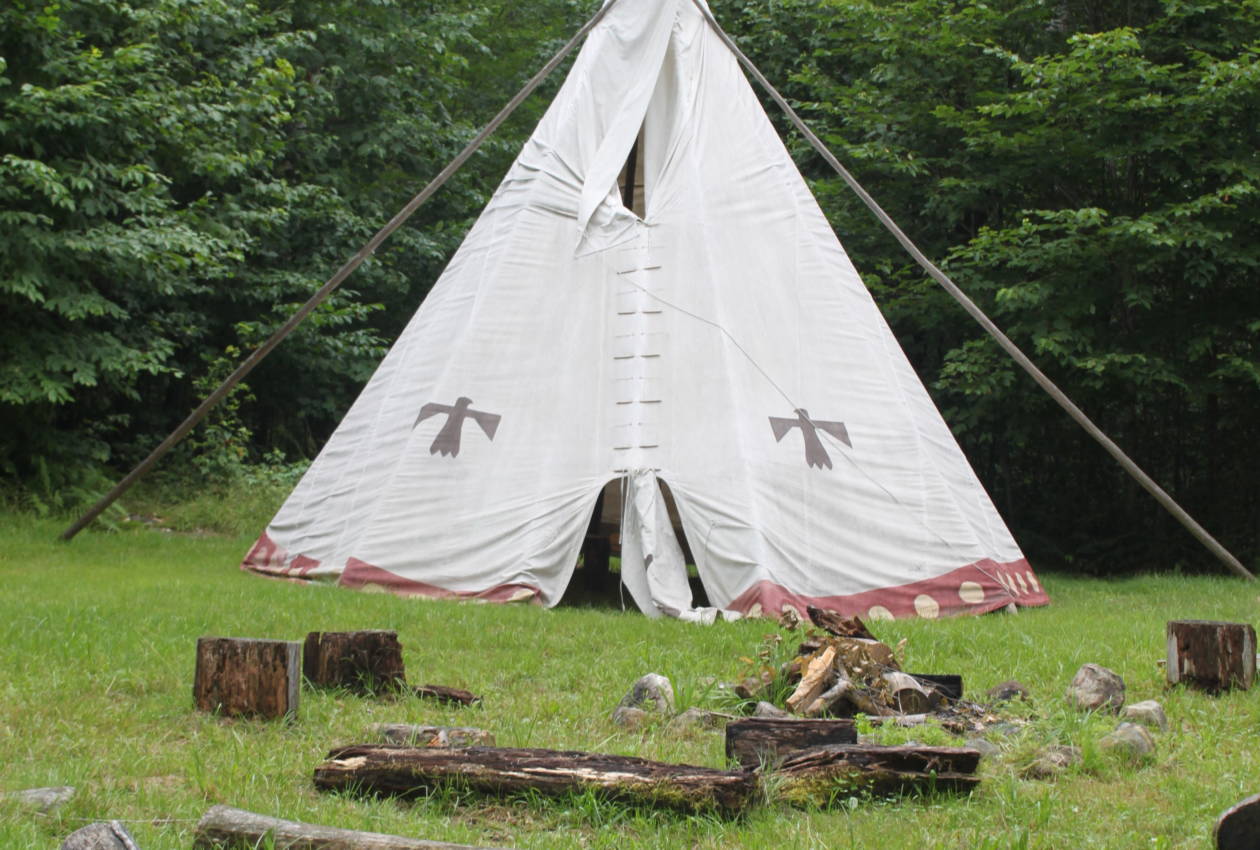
(1161, 496)
(333, 282)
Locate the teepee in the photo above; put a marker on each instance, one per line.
(722, 343)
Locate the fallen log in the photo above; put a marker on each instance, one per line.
(403, 771)
(821, 775)
(764, 740)
(226, 828)
(441, 693)
(245, 676)
(1211, 656)
(363, 662)
(411, 735)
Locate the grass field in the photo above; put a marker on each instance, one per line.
(96, 669)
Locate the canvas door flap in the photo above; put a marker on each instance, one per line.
(652, 563)
(638, 41)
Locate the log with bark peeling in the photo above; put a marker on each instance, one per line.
(755, 740)
(1211, 656)
(226, 828)
(403, 771)
(820, 775)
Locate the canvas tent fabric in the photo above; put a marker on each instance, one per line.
(722, 343)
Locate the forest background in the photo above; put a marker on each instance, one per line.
(176, 176)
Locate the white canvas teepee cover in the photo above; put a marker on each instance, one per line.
(723, 343)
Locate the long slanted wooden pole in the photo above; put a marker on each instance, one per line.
(976, 313)
(332, 283)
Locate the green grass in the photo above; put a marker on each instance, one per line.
(96, 678)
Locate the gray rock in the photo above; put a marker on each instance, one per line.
(43, 799)
(1129, 739)
(1095, 688)
(1148, 713)
(1007, 691)
(652, 692)
(987, 749)
(629, 718)
(1052, 761)
(697, 718)
(769, 709)
(100, 836)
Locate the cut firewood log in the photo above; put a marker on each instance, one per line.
(102, 835)
(244, 676)
(411, 735)
(226, 828)
(364, 662)
(441, 693)
(1211, 656)
(1238, 827)
(403, 771)
(907, 695)
(830, 697)
(763, 740)
(815, 680)
(820, 775)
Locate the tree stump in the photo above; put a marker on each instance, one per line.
(223, 827)
(363, 662)
(757, 740)
(819, 776)
(1238, 828)
(1211, 656)
(248, 677)
(405, 771)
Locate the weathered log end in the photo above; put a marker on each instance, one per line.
(363, 662)
(1238, 827)
(821, 776)
(407, 771)
(248, 677)
(1211, 656)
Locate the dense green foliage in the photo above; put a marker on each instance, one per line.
(177, 175)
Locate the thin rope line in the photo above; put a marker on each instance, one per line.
(335, 281)
(976, 313)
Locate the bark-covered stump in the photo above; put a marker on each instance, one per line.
(821, 775)
(402, 771)
(1211, 656)
(763, 740)
(245, 676)
(363, 662)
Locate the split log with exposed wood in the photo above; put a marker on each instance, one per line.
(817, 676)
(763, 740)
(226, 828)
(442, 693)
(364, 662)
(403, 771)
(819, 776)
(1211, 656)
(411, 735)
(245, 676)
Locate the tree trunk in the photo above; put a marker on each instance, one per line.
(757, 740)
(364, 662)
(500, 770)
(225, 828)
(819, 776)
(244, 676)
(1211, 656)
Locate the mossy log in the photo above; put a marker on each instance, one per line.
(820, 775)
(403, 771)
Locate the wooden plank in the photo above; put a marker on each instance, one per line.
(763, 740)
(404, 771)
(1211, 656)
(226, 828)
(819, 776)
(248, 677)
(363, 662)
